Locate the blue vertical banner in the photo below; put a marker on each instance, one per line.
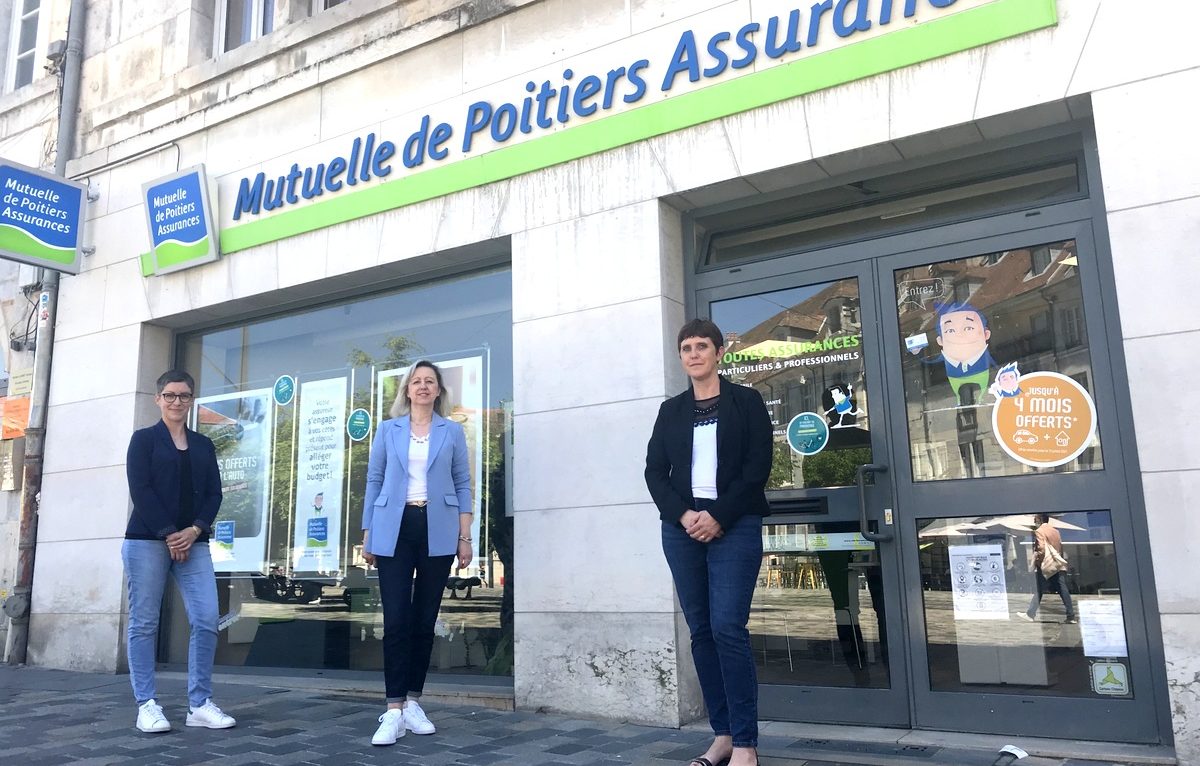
(41, 218)
(180, 217)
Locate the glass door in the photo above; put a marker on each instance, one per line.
(826, 616)
(1011, 500)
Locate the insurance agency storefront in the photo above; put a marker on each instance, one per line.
(938, 235)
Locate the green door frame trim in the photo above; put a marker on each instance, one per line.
(933, 39)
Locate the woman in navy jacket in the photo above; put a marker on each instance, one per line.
(176, 490)
(416, 518)
(707, 466)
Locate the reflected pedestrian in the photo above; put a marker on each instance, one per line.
(417, 517)
(707, 466)
(176, 490)
(1049, 567)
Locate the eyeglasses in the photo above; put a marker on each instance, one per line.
(171, 398)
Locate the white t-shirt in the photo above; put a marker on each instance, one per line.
(418, 467)
(704, 459)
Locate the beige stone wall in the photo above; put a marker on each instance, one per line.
(154, 101)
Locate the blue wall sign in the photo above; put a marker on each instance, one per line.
(41, 217)
(807, 433)
(180, 219)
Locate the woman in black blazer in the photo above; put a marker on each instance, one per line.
(175, 485)
(707, 465)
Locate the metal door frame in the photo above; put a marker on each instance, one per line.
(1104, 489)
(1147, 717)
(873, 706)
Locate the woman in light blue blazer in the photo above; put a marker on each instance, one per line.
(416, 519)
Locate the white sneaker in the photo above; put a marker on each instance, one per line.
(391, 728)
(151, 719)
(415, 719)
(210, 716)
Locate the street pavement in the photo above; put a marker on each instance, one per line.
(57, 717)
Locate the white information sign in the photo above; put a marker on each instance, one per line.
(320, 463)
(1102, 625)
(980, 590)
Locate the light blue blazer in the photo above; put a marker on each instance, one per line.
(448, 477)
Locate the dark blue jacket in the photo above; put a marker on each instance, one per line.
(744, 454)
(152, 466)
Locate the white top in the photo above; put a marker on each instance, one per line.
(704, 460)
(418, 467)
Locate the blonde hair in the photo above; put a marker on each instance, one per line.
(401, 406)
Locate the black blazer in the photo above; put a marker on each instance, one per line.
(744, 451)
(152, 466)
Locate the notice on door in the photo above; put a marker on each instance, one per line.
(1048, 420)
(977, 574)
(1102, 625)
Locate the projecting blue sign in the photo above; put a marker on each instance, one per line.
(41, 216)
(180, 219)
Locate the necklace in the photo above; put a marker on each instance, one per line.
(420, 439)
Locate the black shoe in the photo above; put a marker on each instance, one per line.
(1071, 621)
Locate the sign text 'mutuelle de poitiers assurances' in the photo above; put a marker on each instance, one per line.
(586, 108)
(548, 105)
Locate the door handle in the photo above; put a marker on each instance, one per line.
(861, 477)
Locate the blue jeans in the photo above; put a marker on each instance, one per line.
(715, 583)
(147, 564)
(1057, 583)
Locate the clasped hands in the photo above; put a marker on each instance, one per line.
(700, 526)
(179, 543)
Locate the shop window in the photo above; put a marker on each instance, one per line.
(1039, 260)
(1073, 333)
(964, 289)
(971, 368)
(817, 618)
(979, 587)
(241, 21)
(22, 45)
(294, 588)
(821, 373)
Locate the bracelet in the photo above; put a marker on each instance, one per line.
(199, 531)
(462, 539)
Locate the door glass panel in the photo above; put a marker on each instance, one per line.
(996, 364)
(802, 349)
(817, 618)
(979, 587)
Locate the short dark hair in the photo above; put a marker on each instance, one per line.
(175, 376)
(700, 328)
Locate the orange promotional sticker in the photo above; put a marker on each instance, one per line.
(1048, 420)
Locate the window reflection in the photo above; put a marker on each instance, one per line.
(971, 328)
(293, 586)
(818, 613)
(802, 349)
(979, 587)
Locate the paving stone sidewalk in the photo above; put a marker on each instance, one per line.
(57, 717)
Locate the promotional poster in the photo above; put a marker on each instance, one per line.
(240, 427)
(320, 462)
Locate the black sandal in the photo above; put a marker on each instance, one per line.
(705, 762)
